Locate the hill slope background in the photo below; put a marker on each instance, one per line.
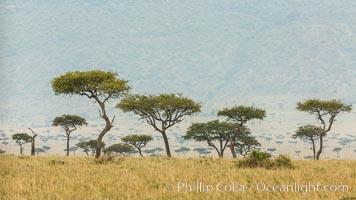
(271, 54)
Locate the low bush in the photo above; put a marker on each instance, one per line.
(264, 160)
(56, 162)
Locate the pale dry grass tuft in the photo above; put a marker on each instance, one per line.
(157, 178)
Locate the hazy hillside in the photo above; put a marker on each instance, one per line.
(270, 53)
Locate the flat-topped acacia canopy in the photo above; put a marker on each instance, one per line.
(95, 83)
(160, 111)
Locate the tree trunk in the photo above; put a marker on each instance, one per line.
(21, 149)
(232, 143)
(232, 149)
(33, 146)
(67, 145)
(108, 126)
(217, 150)
(98, 145)
(221, 149)
(313, 147)
(140, 151)
(33, 142)
(320, 148)
(165, 138)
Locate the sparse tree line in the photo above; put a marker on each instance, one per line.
(166, 110)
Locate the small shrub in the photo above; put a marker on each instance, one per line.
(56, 162)
(283, 161)
(263, 160)
(260, 155)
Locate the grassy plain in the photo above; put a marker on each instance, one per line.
(23, 177)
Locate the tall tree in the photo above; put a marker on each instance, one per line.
(311, 133)
(212, 132)
(245, 143)
(240, 115)
(98, 85)
(69, 123)
(21, 139)
(161, 112)
(33, 142)
(325, 112)
(138, 141)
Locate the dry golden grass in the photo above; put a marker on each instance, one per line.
(157, 178)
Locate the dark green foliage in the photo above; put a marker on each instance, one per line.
(260, 155)
(283, 161)
(2, 151)
(161, 112)
(20, 139)
(119, 149)
(56, 162)
(168, 105)
(308, 132)
(212, 132)
(325, 112)
(96, 84)
(311, 133)
(263, 160)
(69, 123)
(138, 141)
(245, 143)
(89, 147)
(316, 106)
(240, 115)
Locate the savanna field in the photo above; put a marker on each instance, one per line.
(24, 177)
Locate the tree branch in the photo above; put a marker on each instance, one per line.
(112, 121)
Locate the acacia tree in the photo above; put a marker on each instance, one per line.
(98, 85)
(21, 139)
(138, 141)
(245, 143)
(161, 112)
(325, 112)
(240, 115)
(182, 150)
(33, 145)
(311, 133)
(337, 150)
(90, 146)
(69, 123)
(119, 149)
(212, 132)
